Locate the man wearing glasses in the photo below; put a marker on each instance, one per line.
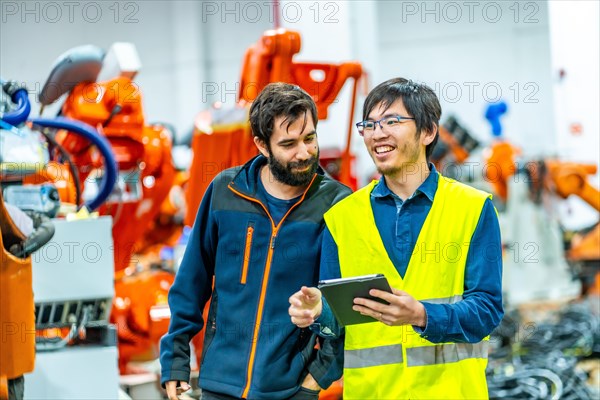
(437, 242)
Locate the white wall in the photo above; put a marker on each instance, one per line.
(35, 33)
(231, 27)
(182, 45)
(575, 38)
(472, 54)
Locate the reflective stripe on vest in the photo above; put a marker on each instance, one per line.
(415, 356)
(444, 300)
(373, 356)
(445, 353)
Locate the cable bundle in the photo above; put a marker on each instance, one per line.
(543, 364)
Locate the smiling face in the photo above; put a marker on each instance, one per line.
(417, 100)
(293, 151)
(397, 148)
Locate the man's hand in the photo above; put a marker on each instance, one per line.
(310, 383)
(175, 388)
(306, 306)
(402, 310)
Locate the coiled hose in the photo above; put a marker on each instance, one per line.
(111, 171)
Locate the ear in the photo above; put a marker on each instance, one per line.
(262, 146)
(427, 136)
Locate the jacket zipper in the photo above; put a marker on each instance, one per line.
(249, 234)
(263, 289)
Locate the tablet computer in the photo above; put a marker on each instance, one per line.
(340, 294)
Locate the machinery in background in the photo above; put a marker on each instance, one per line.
(146, 174)
(17, 318)
(114, 106)
(535, 265)
(38, 312)
(539, 263)
(73, 284)
(222, 136)
(500, 157)
(565, 179)
(453, 148)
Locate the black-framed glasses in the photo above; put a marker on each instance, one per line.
(386, 124)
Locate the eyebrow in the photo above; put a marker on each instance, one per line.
(385, 116)
(287, 141)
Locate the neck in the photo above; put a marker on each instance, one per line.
(277, 189)
(407, 179)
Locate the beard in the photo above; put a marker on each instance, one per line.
(284, 172)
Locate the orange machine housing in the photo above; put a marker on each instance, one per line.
(143, 154)
(500, 166)
(17, 312)
(141, 313)
(115, 107)
(568, 178)
(217, 147)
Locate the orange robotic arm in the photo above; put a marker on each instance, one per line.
(218, 146)
(500, 166)
(270, 60)
(567, 178)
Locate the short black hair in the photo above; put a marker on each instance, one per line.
(276, 100)
(419, 100)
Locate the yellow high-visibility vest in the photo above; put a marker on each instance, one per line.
(383, 362)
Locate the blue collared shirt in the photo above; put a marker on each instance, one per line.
(399, 223)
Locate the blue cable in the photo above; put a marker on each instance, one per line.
(82, 129)
(18, 116)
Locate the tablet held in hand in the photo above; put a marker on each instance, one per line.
(340, 294)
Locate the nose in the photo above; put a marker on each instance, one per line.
(303, 152)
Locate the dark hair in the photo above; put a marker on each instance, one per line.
(276, 100)
(419, 100)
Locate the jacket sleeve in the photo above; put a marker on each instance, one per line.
(189, 293)
(328, 365)
(326, 325)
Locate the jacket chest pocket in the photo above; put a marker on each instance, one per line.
(247, 251)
